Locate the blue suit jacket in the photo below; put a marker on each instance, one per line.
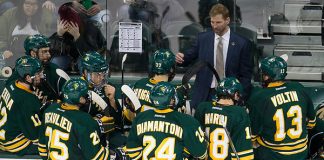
(239, 63)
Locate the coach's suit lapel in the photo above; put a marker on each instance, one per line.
(210, 49)
(230, 51)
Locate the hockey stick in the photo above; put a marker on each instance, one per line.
(122, 78)
(100, 102)
(132, 96)
(231, 142)
(194, 69)
(285, 57)
(62, 74)
(122, 66)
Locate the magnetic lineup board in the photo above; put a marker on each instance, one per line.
(130, 37)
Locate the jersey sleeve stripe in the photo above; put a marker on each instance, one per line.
(43, 154)
(280, 147)
(17, 144)
(312, 120)
(254, 137)
(18, 138)
(138, 157)
(42, 150)
(311, 123)
(42, 145)
(99, 153)
(294, 152)
(20, 147)
(35, 141)
(250, 157)
(134, 149)
(103, 154)
(133, 154)
(243, 152)
(106, 154)
(285, 144)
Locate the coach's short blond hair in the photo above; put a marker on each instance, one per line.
(219, 9)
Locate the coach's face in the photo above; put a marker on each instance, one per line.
(219, 24)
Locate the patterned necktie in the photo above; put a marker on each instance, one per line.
(219, 58)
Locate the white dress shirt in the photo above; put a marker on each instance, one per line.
(225, 40)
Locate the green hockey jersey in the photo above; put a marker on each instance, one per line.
(143, 87)
(280, 115)
(68, 133)
(19, 119)
(50, 88)
(165, 134)
(213, 117)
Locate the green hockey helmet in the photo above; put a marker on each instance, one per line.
(275, 67)
(93, 62)
(228, 87)
(163, 61)
(74, 89)
(35, 42)
(162, 94)
(27, 65)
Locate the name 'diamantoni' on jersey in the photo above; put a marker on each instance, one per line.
(159, 126)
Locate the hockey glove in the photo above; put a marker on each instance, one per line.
(106, 124)
(320, 112)
(118, 154)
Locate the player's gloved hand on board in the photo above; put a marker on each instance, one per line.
(106, 124)
(128, 104)
(118, 154)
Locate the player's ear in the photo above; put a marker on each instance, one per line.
(28, 78)
(237, 96)
(33, 53)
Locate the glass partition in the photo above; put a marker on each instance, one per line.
(292, 27)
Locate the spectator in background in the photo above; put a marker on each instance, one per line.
(222, 48)
(93, 11)
(49, 5)
(27, 18)
(71, 41)
(5, 5)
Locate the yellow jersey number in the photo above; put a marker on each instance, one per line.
(294, 112)
(165, 150)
